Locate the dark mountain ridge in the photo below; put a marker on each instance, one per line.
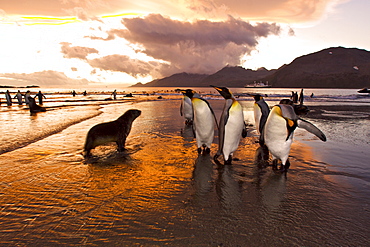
(335, 67)
(228, 76)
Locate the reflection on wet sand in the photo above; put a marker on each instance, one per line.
(203, 176)
(228, 189)
(188, 134)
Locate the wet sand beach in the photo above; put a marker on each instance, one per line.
(161, 192)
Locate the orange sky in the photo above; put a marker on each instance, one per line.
(61, 42)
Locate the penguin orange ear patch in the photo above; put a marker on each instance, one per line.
(290, 123)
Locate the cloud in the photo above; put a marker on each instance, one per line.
(288, 11)
(76, 51)
(3, 16)
(194, 47)
(122, 63)
(54, 7)
(43, 78)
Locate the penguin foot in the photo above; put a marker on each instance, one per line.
(206, 150)
(199, 150)
(274, 164)
(284, 168)
(228, 162)
(216, 157)
(188, 122)
(262, 143)
(86, 154)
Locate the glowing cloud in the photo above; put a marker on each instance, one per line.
(122, 63)
(76, 51)
(43, 78)
(195, 47)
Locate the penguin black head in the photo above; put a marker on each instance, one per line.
(286, 102)
(224, 91)
(298, 109)
(256, 96)
(188, 92)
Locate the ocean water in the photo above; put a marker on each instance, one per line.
(161, 192)
(20, 128)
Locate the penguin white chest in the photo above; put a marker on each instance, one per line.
(257, 117)
(276, 134)
(203, 123)
(233, 129)
(187, 108)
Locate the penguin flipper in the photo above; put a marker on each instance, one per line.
(221, 128)
(264, 107)
(311, 128)
(181, 106)
(213, 113)
(245, 131)
(265, 110)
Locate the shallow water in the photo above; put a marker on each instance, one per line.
(160, 192)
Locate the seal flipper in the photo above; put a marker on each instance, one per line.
(311, 128)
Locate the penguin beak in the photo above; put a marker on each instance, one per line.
(217, 88)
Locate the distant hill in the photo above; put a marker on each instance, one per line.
(235, 76)
(32, 86)
(175, 80)
(228, 76)
(335, 67)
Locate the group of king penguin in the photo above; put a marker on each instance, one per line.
(275, 126)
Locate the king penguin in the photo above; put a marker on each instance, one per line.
(186, 107)
(261, 112)
(279, 129)
(203, 121)
(231, 125)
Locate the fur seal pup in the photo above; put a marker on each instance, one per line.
(114, 131)
(34, 108)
